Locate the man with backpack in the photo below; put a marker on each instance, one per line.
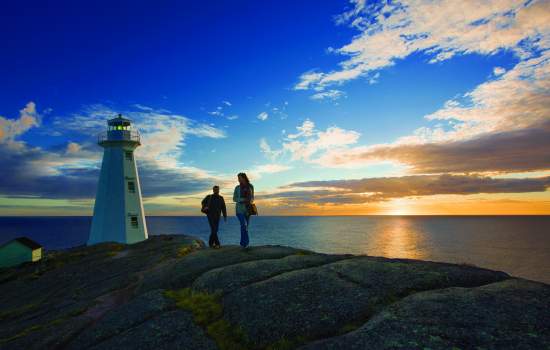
(213, 206)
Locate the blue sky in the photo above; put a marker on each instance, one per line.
(292, 92)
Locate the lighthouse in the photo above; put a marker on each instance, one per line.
(118, 209)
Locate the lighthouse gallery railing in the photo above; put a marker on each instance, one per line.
(119, 135)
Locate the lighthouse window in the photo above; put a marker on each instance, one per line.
(131, 187)
(128, 155)
(134, 221)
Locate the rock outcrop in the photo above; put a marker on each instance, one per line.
(171, 292)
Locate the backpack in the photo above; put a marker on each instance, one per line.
(204, 208)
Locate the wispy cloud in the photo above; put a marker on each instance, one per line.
(328, 95)
(268, 151)
(392, 31)
(221, 111)
(262, 116)
(499, 126)
(260, 170)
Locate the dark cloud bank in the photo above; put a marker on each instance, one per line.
(512, 151)
(384, 188)
(21, 176)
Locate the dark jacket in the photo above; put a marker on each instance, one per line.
(216, 205)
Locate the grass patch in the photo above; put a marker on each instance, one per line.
(185, 250)
(205, 307)
(226, 336)
(208, 313)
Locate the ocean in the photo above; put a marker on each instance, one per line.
(518, 245)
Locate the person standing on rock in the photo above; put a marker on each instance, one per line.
(213, 206)
(243, 196)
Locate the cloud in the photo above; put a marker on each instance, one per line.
(305, 197)
(163, 133)
(392, 31)
(328, 95)
(143, 108)
(306, 130)
(260, 170)
(11, 128)
(268, 151)
(510, 151)
(262, 116)
(220, 110)
(217, 113)
(428, 185)
(309, 141)
(498, 71)
(72, 171)
(73, 147)
(516, 99)
(500, 126)
(369, 190)
(24, 175)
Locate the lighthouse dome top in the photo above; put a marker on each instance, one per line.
(119, 121)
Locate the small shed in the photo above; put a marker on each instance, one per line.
(18, 251)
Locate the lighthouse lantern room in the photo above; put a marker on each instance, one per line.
(118, 209)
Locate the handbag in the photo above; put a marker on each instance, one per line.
(204, 208)
(251, 209)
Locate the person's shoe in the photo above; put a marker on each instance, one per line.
(217, 246)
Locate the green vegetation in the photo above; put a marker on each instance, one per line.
(205, 307)
(226, 336)
(208, 313)
(183, 251)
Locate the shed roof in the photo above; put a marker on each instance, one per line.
(26, 242)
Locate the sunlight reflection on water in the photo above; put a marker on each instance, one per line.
(519, 245)
(400, 239)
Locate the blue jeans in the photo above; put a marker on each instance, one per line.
(244, 220)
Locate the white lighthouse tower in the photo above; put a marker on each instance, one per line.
(118, 209)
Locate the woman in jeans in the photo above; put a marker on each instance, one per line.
(243, 196)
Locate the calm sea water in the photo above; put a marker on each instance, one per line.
(518, 245)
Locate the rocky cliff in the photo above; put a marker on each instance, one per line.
(171, 292)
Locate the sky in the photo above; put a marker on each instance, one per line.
(357, 107)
